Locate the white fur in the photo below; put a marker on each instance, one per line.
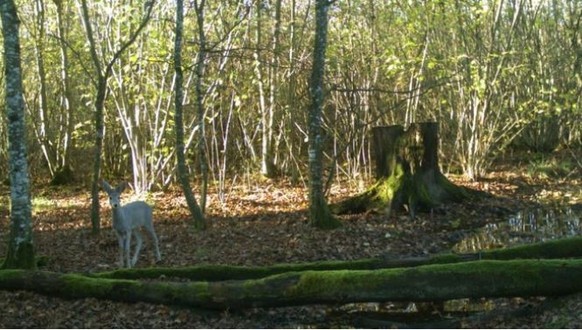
(127, 220)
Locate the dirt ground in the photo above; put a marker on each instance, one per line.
(265, 223)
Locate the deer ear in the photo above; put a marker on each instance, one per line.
(121, 187)
(106, 186)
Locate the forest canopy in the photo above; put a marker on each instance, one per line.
(494, 74)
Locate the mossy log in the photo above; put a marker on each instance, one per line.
(522, 278)
(407, 173)
(555, 249)
(433, 278)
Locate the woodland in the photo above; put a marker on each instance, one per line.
(310, 164)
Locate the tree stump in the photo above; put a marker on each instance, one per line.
(407, 173)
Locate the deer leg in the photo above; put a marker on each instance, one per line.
(120, 241)
(154, 237)
(138, 243)
(126, 247)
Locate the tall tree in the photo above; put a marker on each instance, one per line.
(201, 114)
(267, 105)
(198, 217)
(42, 128)
(320, 215)
(68, 102)
(103, 72)
(20, 245)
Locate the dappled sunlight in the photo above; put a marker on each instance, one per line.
(269, 224)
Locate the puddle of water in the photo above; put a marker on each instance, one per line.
(527, 226)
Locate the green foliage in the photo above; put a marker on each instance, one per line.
(43, 204)
(482, 74)
(542, 166)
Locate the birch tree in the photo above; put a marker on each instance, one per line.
(20, 244)
(320, 215)
(68, 101)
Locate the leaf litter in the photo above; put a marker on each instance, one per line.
(265, 225)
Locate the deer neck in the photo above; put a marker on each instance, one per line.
(120, 220)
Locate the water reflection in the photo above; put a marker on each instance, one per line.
(527, 226)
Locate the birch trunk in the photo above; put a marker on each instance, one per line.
(20, 245)
(320, 215)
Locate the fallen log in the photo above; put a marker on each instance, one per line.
(555, 249)
(477, 279)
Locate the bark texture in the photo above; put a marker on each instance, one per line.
(319, 212)
(20, 245)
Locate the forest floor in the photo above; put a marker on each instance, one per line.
(264, 223)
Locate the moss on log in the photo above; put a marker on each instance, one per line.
(227, 272)
(477, 279)
(556, 249)
(570, 247)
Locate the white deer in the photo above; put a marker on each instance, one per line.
(127, 220)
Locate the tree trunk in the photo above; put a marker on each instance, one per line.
(97, 151)
(319, 212)
(68, 100)
(20, 245)
(42, 127)
(199, 220)
(521, 278)
(407, 172)
(100, 85)
(103, 73)
(268, 167)
(199, 7)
